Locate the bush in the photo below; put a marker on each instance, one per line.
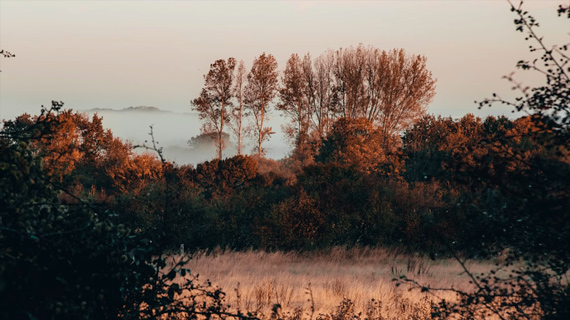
(76, 261)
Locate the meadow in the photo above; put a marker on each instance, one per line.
(336, 284)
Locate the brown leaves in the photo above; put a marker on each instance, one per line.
(357, 143)
(260, 90)
(214, 103)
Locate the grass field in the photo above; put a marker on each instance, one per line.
(313, 284)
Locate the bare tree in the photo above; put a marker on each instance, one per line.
(215, 98)
(238, 112)
(261, 88)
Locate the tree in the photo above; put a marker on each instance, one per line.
(460, 152)
(391, 89)
(299, 223)
(80, 154)
(261, 89)
(325, 95)
(238, 113)
(400, 92)
(349, 74)
(219, 178)
(356, 143)
(207, 142)
(433, 144)
(52, 254)
(295, 99)
(215, 98)
(538, 222)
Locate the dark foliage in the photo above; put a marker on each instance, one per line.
(524, 205)
(72, 261)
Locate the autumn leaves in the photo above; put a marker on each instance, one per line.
(390, 90)
(215, 104)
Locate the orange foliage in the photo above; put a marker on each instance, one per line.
(357, 143)
(494, 147)
(79, 151)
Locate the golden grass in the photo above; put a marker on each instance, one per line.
(317, 283)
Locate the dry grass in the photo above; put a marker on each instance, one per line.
(310, 284)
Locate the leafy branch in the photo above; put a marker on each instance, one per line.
(552, 100)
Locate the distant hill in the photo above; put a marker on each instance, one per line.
(129, 109)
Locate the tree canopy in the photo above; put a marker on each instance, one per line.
(261, 89)
(216, 98)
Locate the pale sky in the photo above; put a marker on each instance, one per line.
(116, 54)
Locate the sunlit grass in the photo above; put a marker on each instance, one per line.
(317, 283)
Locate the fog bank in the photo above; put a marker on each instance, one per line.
(172, 130)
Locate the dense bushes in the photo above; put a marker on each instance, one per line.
(61, 260)
(244, 202)
(363, 189)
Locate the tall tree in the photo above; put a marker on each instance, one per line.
(261, 89)
(294, 100)
(215, 98)
(375, 71)
(349, 73)
(238, 112)
(405, 88)
(325, 95)
(391, 89)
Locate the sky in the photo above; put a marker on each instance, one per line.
(117, 54)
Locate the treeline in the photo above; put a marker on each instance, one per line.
(391, 89)
(422, 191)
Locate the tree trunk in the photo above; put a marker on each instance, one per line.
(239, 127)
(261, 130)
(221, 135)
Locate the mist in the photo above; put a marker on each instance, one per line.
(172, 130)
